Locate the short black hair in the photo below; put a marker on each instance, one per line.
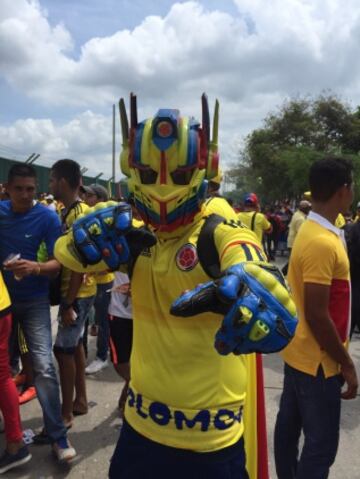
(21, 169)
(214, 186)
(69, 170)
(328, 175)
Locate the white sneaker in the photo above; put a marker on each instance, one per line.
(63, 450)
(96, 366)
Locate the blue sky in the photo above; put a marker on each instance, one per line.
(90, 18)
(64, 63)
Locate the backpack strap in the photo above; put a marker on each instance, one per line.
(206, 249)
(253, 221)
(68, 211)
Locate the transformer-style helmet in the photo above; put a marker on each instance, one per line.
(168, 160)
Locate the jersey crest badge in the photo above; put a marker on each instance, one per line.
(187, 257)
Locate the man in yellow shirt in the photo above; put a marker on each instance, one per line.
(77, 293)
(297, 220)
(317, 360)
(184, 413)
(252, 218)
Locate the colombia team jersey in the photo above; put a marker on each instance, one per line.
(195, 398)
(318, 256)
(4, 298)
(88, 288)
(260, 221)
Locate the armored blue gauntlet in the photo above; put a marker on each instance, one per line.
(105, 237)
(260, 315)
(100, 235)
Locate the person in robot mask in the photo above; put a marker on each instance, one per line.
(184, 411)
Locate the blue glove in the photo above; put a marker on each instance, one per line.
(260, 315)
(100, 236)
(107, 234)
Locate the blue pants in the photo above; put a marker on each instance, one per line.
(68, 337)
(312, 404)
(34, 318)
(101, 304)
(136, 457)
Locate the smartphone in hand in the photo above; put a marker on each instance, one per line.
(11, 259)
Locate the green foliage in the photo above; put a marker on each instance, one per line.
(276, 158)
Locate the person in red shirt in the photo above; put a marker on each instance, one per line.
(16, 453)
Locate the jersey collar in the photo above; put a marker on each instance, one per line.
(326, 224)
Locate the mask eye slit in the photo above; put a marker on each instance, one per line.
(148, 176)
(181, 176)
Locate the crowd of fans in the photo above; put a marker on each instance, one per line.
(29, 228)
(95, 304)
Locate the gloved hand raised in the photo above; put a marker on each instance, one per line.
(260, 315)
(103, 238)
(100, 235)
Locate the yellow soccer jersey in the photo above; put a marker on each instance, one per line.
(221, 207)
(104, 278)
(4, 297)
(261, 223)
(182, 392)
(340, 221)
(88, 288)
(318, 256)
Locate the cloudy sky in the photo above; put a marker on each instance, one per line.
(64, 63)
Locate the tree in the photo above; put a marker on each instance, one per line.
(276, 158)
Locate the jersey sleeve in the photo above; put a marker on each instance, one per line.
(219, 206)
(266, 225)
(53, 231)
(318, 261)
(235, 244)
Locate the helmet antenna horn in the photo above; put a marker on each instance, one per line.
(124, 122)
(215, 137)
(133, 111)
(205, 117)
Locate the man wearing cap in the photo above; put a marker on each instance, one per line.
(296, 222)
(94, 194)
(252, 218)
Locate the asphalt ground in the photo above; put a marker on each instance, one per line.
(94, 435)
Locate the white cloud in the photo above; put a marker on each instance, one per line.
(250, 61)
(86, 138)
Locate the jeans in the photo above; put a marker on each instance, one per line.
(68, 337)
(312, 404)
(137, 457)
(102, 301)
(34, 318)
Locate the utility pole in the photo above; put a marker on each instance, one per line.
(113, 146)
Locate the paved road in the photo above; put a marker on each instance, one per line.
(95, 434)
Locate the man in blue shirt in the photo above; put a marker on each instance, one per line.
(24, 225)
